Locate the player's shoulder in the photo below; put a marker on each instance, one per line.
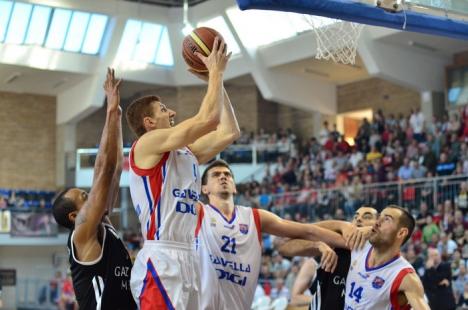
(409, 280)
(244, 210)
(362, 251)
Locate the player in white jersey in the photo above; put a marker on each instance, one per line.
(378, 277)
(165, 186)
(230, 242)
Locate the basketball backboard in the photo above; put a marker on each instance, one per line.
(437, 17)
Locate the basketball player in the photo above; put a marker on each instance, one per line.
(327, 289)
(165, 187)
(379, 278)
(230, 241)
(99, 263)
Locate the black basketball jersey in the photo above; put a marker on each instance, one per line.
(328, 289)
(104, 283)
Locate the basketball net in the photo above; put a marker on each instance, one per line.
(336, 39)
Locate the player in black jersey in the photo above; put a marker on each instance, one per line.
(99, 262)
(327, 289)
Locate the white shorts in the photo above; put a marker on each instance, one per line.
(166, 275)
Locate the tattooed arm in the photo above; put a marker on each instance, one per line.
(102, 191)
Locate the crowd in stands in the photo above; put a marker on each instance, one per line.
(59, 292)
(409, 160)
(403, 150)
(34, 199)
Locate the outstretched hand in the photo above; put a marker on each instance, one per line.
(218, 58)
(112, 90)
(329, 258)
(356, 237)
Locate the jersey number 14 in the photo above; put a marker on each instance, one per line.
(355, 294)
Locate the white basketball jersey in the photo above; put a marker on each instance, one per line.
(374, 288)
(230, 258)
(165, 196)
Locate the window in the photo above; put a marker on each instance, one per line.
(146, 43)
(38, 25)
(220, 25)
(55, 28)
(258, 28)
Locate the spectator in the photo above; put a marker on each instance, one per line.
(343, 145)
(363, 134)
(279, 290)
(291, 277)
(446, 245)
(417, 125)
(374, 154)
(415, 260)
(430, 229)
(454, 125)
(67, 298)
(324, 133)
(280, 266)
(459, 283)
(429, 159)
(264, 199)
(419, 171)
(444, 167)
(3, 202)
(335, 133)
(12, 199)
(412, 150)
(463, 301)
(406, 171)
(462, 198)
(421, 218)
(437, 281)
(356, 157)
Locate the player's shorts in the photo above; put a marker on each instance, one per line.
(166, 275)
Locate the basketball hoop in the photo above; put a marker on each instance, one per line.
(336, 39)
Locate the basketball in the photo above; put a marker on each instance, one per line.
(199, 40)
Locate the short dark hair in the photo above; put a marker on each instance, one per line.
(216, 163)
(61, 208)
(406, 220)
(137, 111)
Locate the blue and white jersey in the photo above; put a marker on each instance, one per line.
(165, 196)
(377, 287)
(230, 258)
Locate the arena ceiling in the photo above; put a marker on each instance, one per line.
(18, 78)
(169, 3)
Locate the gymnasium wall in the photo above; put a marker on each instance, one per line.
(185, 101)
(33, 263)
(252, 110)
(27, 141)
(377, 94)
(27, 122)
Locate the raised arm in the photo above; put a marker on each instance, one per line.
(153, 144)
(273, 224)
(115, 184)
(297, 247)
(412, 287)
(227, 132)
(355, 237)
(101, 195)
